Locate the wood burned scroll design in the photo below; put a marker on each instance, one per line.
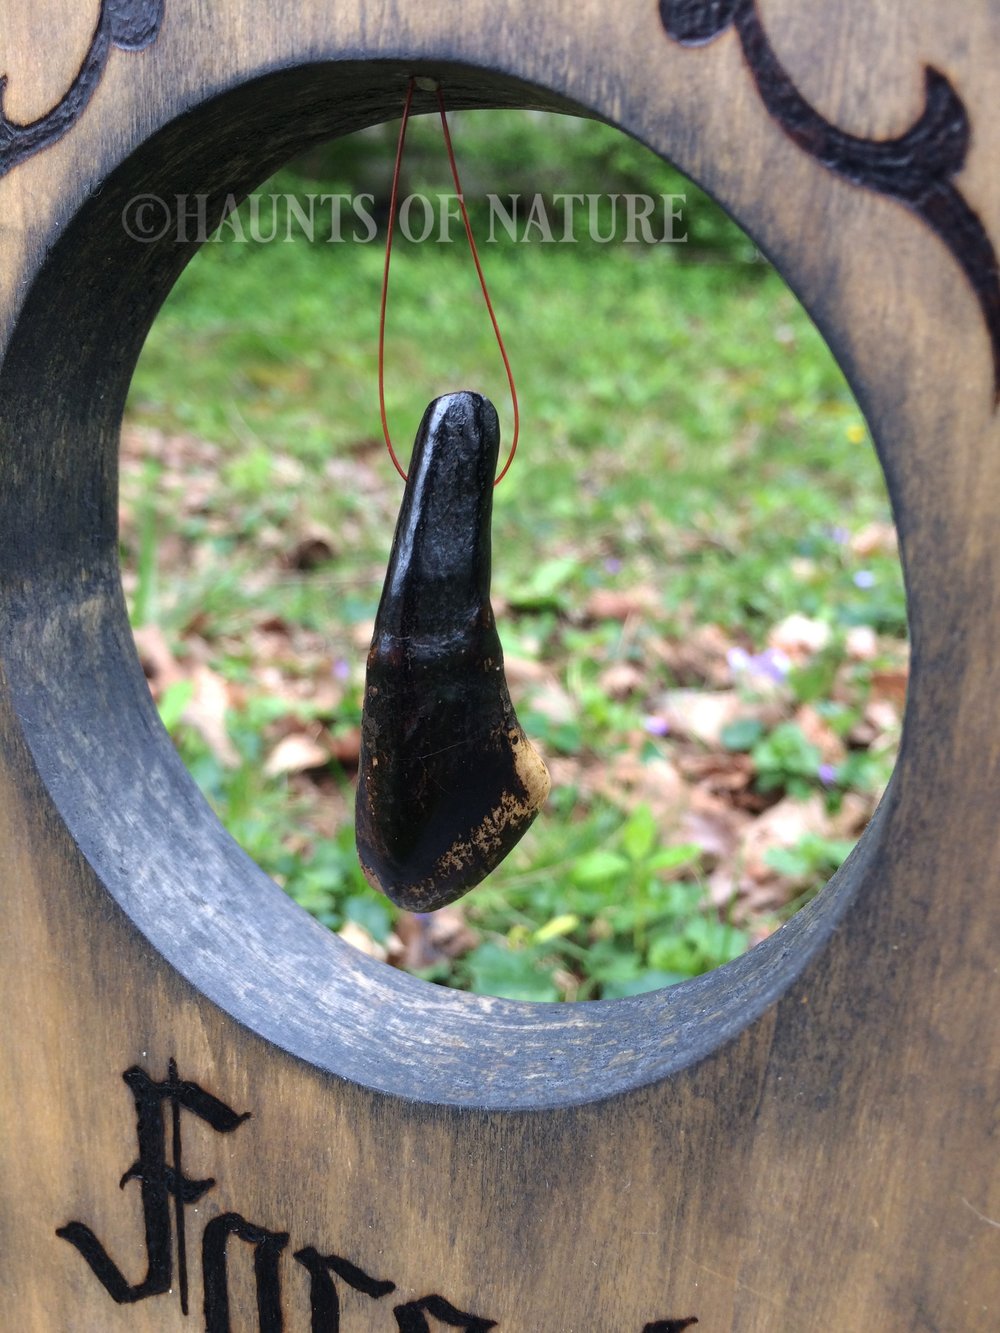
(917, 167)
(131, 25)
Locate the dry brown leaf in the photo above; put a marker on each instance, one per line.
(361, 634)
(784, 825)
(206, 712)
(875, 539)
(359, 938)
(818, 732)
(714, 825)
(274, 624)
(861, 643)
(345, 747)
(722, 772)
(799, 637)
(424, 940)
(621, 604)
(553, 702)
(297, 753)
(568, 771)
(702, 715)
(701, 657)
(744, 884)
(313, 546)
(878, 727)
(524, 671)
(730, 777)
(158, 662)
(628, 781)
(850, 821)
(325, 694)
(891, 685)
(621, 679)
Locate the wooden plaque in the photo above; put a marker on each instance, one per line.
(217, 1115)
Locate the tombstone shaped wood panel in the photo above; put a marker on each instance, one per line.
(806, 1139)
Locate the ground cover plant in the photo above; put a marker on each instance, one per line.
(695, 570)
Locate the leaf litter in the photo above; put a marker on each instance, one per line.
(755, 777)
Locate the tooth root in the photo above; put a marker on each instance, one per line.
(448, 782)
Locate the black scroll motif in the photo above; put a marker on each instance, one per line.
(918, 167)
(159, 1179)
(267, 1247)
(323, 1299)
(410, 1318)
(130, 25)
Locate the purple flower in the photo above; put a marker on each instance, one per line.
(613, 565)
(840, 535)
(772, 664)
(655, 726)
(341, 669)
(864, 578)
(827, 774)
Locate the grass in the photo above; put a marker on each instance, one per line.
(690, 456)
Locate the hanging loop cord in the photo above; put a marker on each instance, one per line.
(479, 270)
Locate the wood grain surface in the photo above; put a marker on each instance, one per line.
(805, 1140)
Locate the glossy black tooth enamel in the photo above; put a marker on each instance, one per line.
(448, 782)
(440, 564)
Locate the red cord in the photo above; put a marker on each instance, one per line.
(479, 270)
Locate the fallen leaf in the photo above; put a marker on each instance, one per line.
(850, 821)
(730, 776)
(746, 884)
(701, 657)
(621, 604)
(361, 634)
(429, 938)
(818, 732)
(354, 934)
(718, 771)
(206, 713)
(345, 747)
(313, 547)
(629, 781)
(524, 671)
(621, 679)
(325, 695)
(158, 662)
(297, 753)
(799, 637)
(861, 643)
(891, 685)
(875, 539)
(702, 715)
(552, 702)
(784, 825)
(714, 825)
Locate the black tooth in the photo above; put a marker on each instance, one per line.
(442, 789)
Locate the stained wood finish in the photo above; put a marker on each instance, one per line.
(804, 1140)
